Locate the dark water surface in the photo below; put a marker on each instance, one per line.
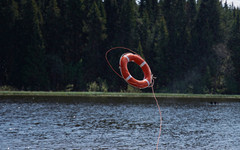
(34, 125)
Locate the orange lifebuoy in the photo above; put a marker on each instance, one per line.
(130, 57)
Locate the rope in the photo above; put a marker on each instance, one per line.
(114, 49)
(160, 127)
(160, 114)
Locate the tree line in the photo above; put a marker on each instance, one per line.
(191, 47)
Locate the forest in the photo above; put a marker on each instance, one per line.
(59, 45)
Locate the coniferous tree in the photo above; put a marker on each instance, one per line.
(9, 15)
(191, 12)
(226, 21)
(142, 7)
(152, 8)
(145, 34)
(30, 55)
(112, 22)
(113, 31)
(62, 43)
(181, 40)
(205, 35)
(206, 29)
(75, 38)
(140, 50)
(96, 34)
(128, 24)
(169, 11)
(234, 46)
(53, 44)
(175, 15)
(51, 27)
(160, 42)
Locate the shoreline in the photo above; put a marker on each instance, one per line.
(118, 95)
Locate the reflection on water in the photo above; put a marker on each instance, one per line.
(121, 125)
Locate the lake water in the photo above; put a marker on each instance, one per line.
(74, 124)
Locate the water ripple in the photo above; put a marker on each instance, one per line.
(71, 125)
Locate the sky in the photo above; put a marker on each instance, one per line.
(236, 3)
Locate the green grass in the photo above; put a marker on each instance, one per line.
(116, 94)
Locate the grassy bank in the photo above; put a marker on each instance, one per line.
(115, 95)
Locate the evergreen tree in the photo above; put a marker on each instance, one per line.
(152, 8)
(207, 28)
(75, 38)
(51, 27)
(113, 22)
(53, 43)
(128, 24)
(94, 52)
(205, 35)
(30, 56)
(169, 11)
(142, 7)
(140, 50)
(176, 20)
(145, 34)
(234, 46)
(9, 15)
(191, 13)
(160, 66)
(226, 21)
(181, 41)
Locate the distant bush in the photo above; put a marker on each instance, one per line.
(100, 86)
(131, 89)
(7, 88)
(69, 87)
(104, 86)
(93, 87)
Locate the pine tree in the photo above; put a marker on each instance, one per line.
(9, 15)
(205, 35)
(142, 7)
(191, 13)
(234, 46)
(113, 22)
(75, 38)
(53, 37)
(30, 56)
(96, 34)
(176, 20)
(145, 34)
(182, 39)
(152, 8)
(207, 28)
(140, 50)
(128, 24)
(160, 49)
(226, 20)
(51, 27)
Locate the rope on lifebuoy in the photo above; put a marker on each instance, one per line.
(149, 84)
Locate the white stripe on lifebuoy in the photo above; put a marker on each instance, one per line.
(143, 64)
(126, 57)
(147, 81)
(129, 77)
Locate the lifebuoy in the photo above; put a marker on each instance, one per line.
(130, 57)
